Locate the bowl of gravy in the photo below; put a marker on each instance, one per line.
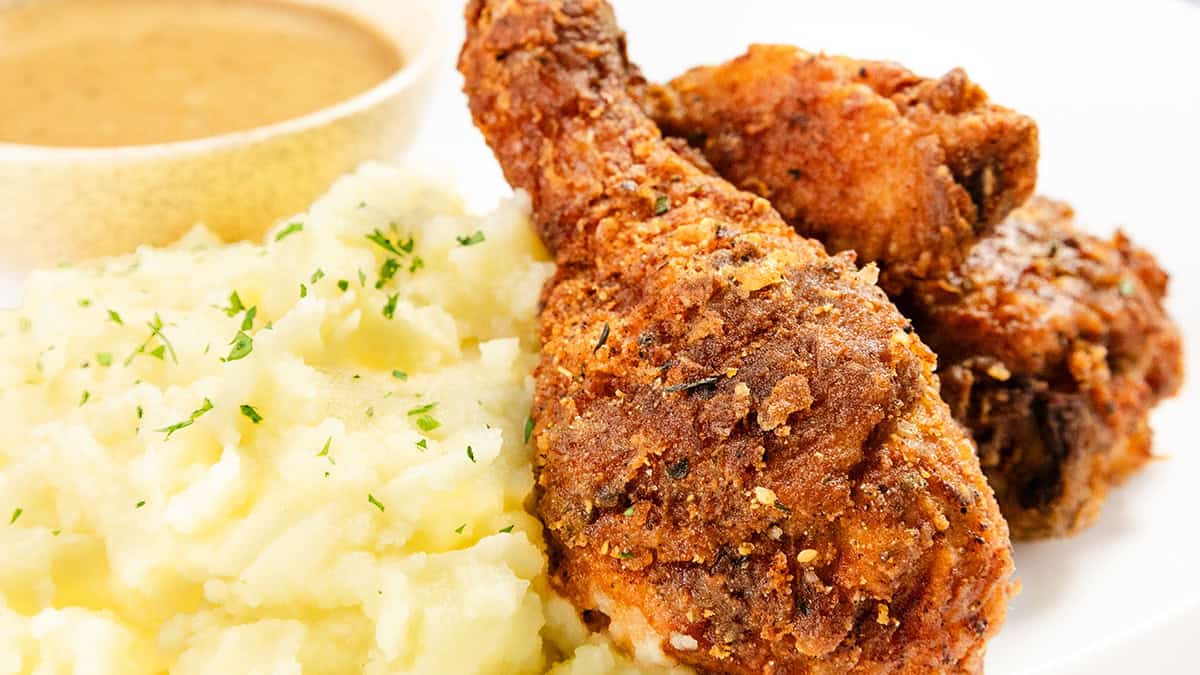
(128, 122)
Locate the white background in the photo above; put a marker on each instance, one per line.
(1115, 88)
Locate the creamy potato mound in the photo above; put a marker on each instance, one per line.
(305, 456)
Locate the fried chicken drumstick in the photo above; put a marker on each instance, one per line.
(742, 459)
(1053, 347)
(862, 155)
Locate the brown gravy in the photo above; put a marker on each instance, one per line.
(102, 73)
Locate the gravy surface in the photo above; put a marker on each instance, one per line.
(100, 73)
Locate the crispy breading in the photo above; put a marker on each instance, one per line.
(742, 458)
(862, 155)
(1054, 346)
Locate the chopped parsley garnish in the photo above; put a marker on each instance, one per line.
(399, 374)
(242, 346)
(370, 411)
(398, 248)
(155, 327)
(16, 514)
(104, 359)
(475, 237)
(528, 428)
(87, 395)
(460, 528)
(140, 413)
(628, 512)
(55, 533)
(317, 276)
(423, 445)
(387, 271)
(115, 318)
(196, 414)
(427, 423)
(325, 450)
(422, 409)
(84, 302)
(235, 305)
(251, 414)
(291, 229)
(417, 263)
(375, 502)
(507, 529)
(389, 308)
(303, 291)
(471, 454)
(140, 504)
(248, 322)
(662, 204)
(602, 340)
(625, 555)
(343, 284)
(362, 279)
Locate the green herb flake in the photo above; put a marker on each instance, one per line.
(242, 345)
(389, 308)
(87, 395)
(325, 450)
(423, 445)
(303, 291)
(460, 528)
(16, 514)
(235, 305)
(140, 504)
(626, 555)
(24, 324)
(507, 530)
(417, 263)
(399, 248)
(662, 204)
(376, 503)
(104, 359)
(370, 411)
(528, 428)
(248, 322)
(387, 271)
(362, 279)
(115, 318)
(343, 284)
(628, 512)
(471, 454)
(475, 237)
(196, 414)
(251, 414)
(84, 302)
(159, 352)
(317, 276)
(140, 413)
(155, 327)
(288, 231)
(399, 374)
(55, 533)
(427, 423)
(422, 409)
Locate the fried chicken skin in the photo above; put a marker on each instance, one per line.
(1054, 346)
(742, 461)
(862, 155)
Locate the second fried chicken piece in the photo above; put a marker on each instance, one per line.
(1053, 346)
(863, 155)
(742, 459)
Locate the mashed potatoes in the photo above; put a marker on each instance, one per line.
(305, 456)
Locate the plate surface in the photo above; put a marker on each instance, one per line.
(1113, 88)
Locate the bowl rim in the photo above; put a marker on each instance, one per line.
(414, 68)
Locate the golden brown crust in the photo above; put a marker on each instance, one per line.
(1054, 346)
(862, 155)
(743, 460)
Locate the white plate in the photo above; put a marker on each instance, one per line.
(1114, 89)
